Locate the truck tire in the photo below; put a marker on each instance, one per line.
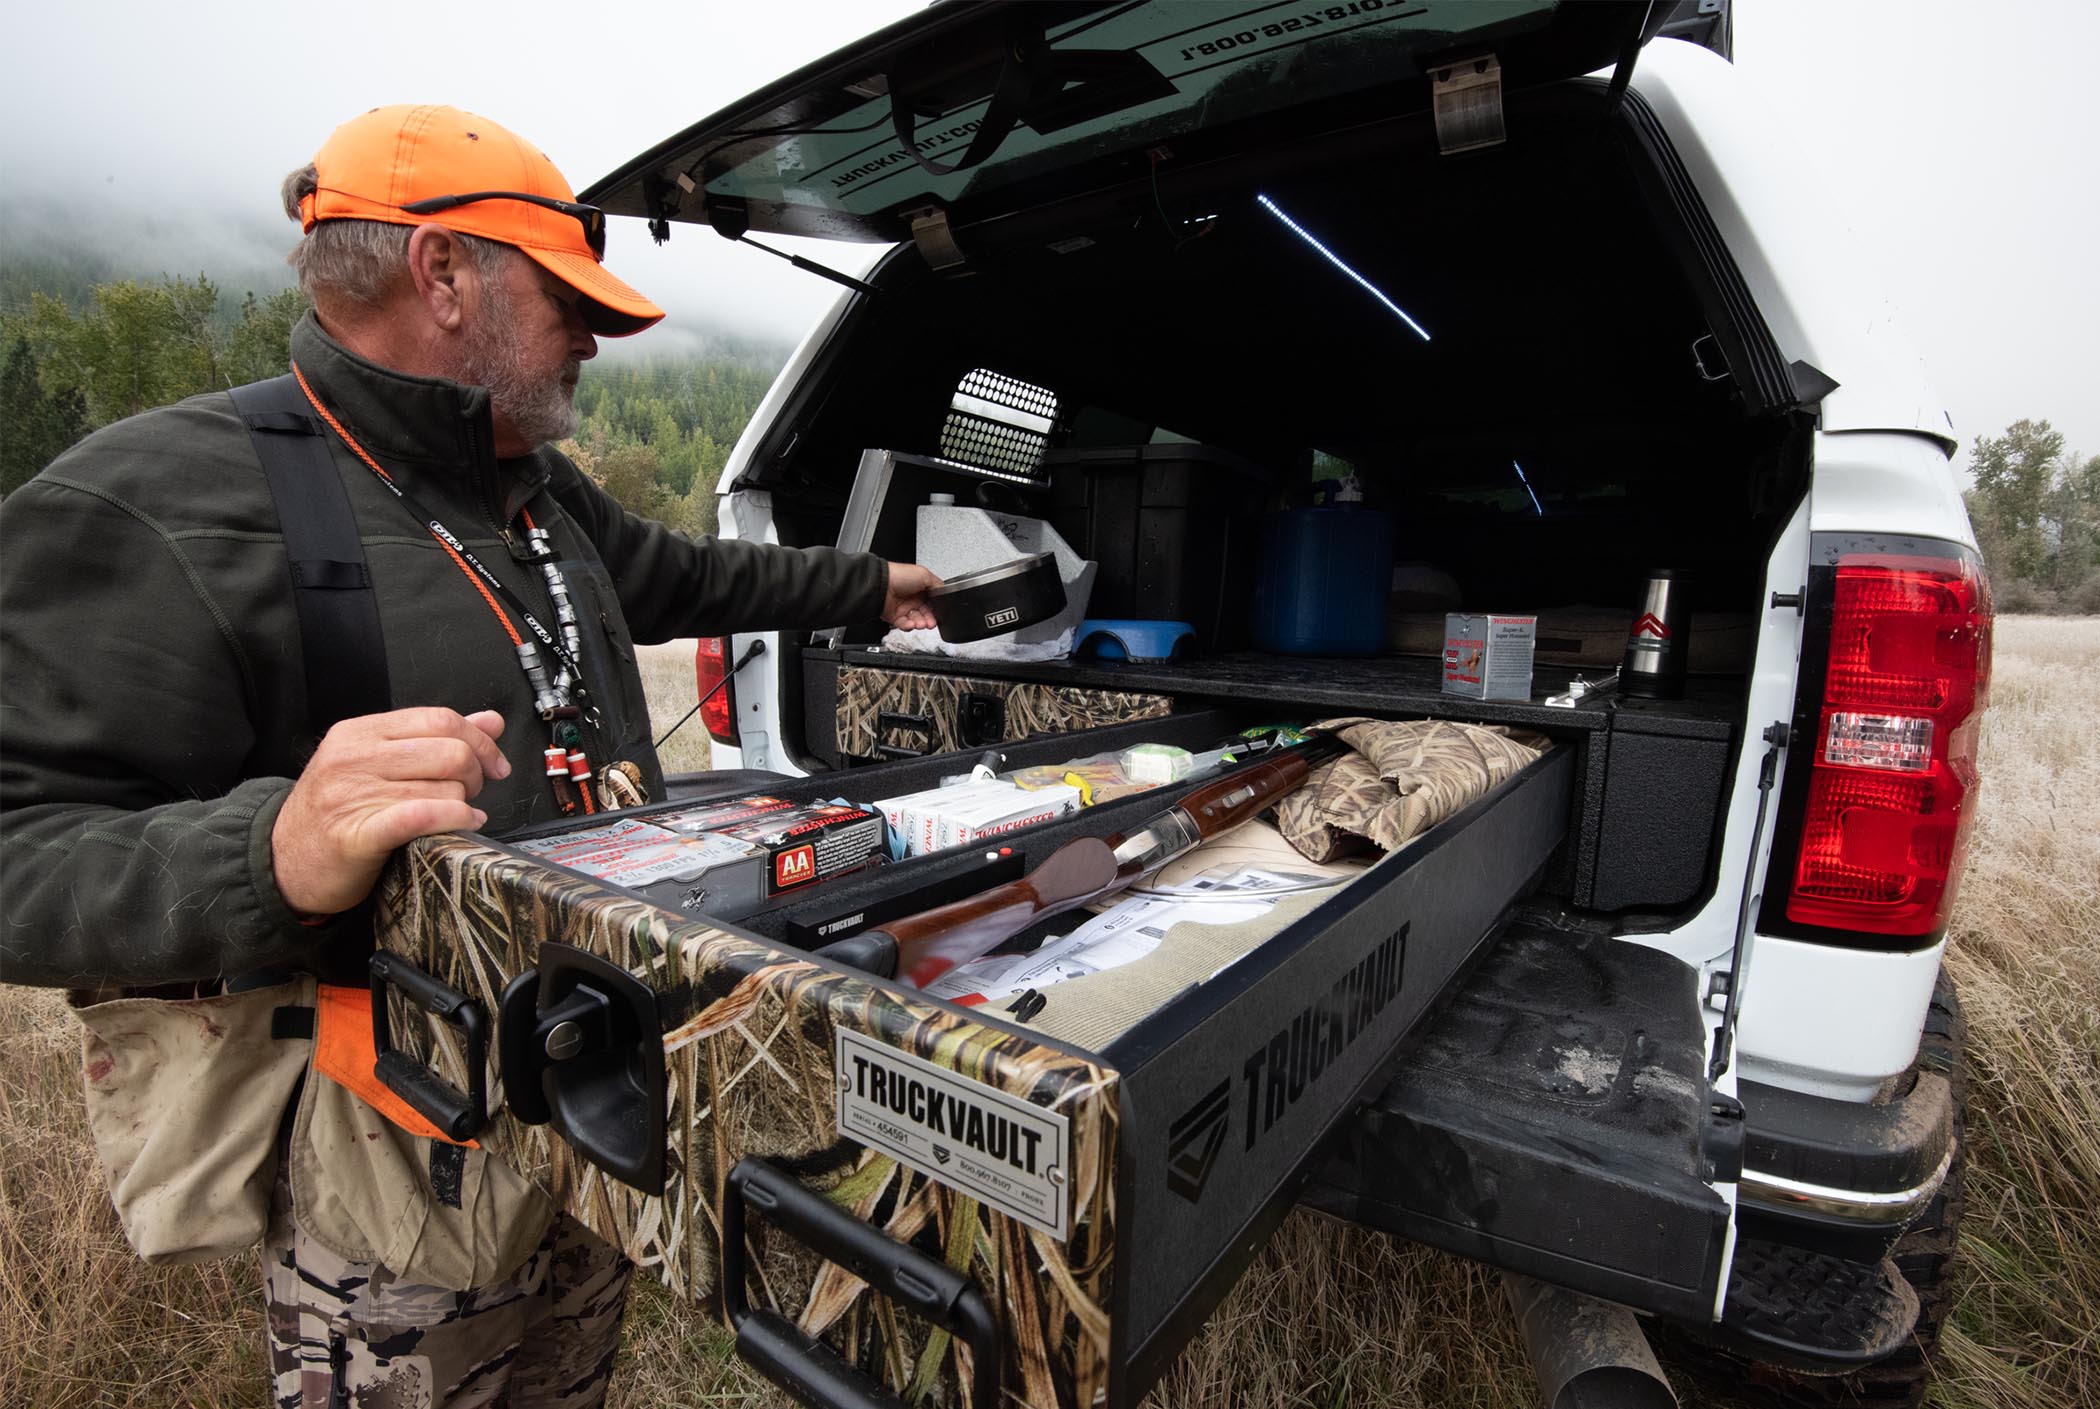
(1925, 1256)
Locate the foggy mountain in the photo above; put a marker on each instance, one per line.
(64, 248)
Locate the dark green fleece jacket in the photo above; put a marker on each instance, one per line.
(153, 705)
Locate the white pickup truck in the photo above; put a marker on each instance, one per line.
(1539, 277)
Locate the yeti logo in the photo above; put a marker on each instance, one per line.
(1004, 617)
(1193, 1142)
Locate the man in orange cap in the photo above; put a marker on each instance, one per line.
(205, 796)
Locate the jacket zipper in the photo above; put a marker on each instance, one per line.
(484, 475)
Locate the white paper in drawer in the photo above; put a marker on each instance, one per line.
(1126, 931)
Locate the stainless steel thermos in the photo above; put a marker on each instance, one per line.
(1658, 641)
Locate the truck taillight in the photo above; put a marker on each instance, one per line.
(1892, 777)
(710, 663)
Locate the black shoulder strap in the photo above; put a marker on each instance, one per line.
(338, 613)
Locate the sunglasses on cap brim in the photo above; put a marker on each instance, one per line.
(589, 217)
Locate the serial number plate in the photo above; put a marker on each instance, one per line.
(981, 1143)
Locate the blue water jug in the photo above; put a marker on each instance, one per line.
(1324, 575)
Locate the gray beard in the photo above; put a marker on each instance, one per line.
(538, 411)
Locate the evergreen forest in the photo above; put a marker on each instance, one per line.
(78, 353)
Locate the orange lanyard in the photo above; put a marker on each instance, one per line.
(558, 698)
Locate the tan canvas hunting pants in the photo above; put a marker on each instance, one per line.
(348, 1335)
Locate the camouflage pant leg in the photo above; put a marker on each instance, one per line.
(567, 1359)
(349, 1335)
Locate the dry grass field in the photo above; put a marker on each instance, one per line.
(667, 674)
(1329, 1316)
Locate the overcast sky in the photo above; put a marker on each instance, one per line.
(1960, 137)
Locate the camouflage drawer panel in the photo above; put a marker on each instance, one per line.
(950, 712)
(749, 1040)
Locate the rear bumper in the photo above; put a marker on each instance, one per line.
(1853, 1206)
(1840, 1177)
(1554, 1121)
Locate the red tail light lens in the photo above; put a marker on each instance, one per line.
(1893, 775)
(710, 662)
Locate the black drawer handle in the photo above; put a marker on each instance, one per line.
(805, 1367)
(887, 721)
(461, 1115)
(799, 1363)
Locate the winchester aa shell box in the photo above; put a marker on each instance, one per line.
(802, 843)
(724, 859)
(1179, 1144)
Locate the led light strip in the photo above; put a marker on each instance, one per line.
(1525, 480)
(1332, 258)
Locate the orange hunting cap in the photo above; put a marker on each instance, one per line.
(407, 165)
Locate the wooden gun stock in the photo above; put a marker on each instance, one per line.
(920, 948)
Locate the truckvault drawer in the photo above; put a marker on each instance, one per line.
(1081, 1211)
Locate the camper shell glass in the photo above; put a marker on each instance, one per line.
(989, 108)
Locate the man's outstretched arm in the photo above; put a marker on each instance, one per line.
(671, 585)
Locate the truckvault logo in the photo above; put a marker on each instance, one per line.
(1280, 1071)
(1193, 1141)
(978, 1125)
(987, 1144)
(1651, 625)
